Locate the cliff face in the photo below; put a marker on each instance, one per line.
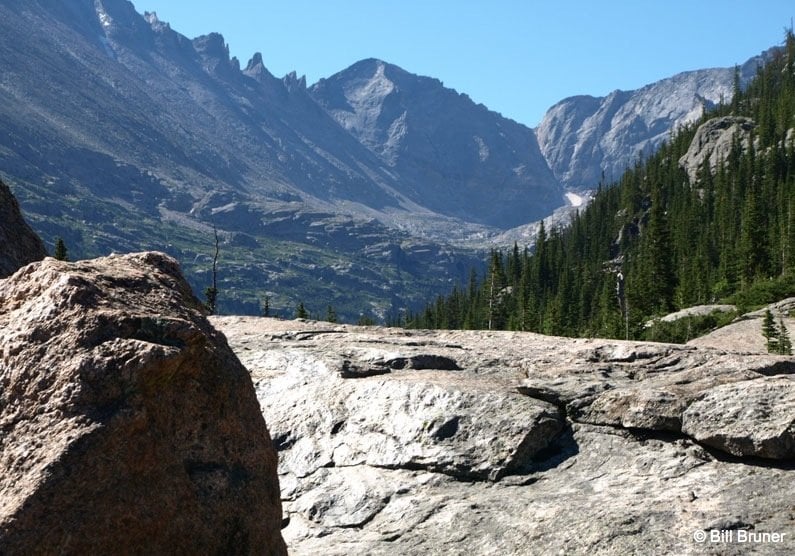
(128, 425)
(713, 142)
(418, 442)
(584, 138)
(20, 244)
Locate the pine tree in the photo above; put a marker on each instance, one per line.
(729, 234)
(210, 299)
(770, 332)
(211, 292)
(331, 314)
(301, 312)
(61, 253)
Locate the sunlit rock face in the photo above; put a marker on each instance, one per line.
(417, 442)
(586, 139)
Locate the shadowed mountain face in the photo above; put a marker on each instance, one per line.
(119, 134)
(455, 156)
(19, 245)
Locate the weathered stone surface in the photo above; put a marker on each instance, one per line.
(447, 421)
(19, 244)
(126, 422)
(755, 418)
(417, 461)
(745, 333)
(713, 143)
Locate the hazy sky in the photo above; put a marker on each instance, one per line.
(516, 57)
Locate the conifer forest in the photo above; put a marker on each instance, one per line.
(656, 241)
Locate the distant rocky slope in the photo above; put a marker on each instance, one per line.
(373, 190)
(415, 442)
(127, 425)
(584, 137)
(120, 134)
(453, 156)
(20, 244)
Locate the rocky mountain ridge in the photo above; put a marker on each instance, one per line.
(119, 134)
(584, 138)
(466, 158)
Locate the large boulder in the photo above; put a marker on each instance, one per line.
(127, 424)
(476, 442)
(19, 244)
(713, 141)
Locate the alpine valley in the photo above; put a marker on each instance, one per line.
(370, 191)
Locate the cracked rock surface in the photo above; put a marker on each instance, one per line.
(516, 443)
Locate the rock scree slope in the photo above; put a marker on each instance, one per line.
(450, 442)
(126, 422)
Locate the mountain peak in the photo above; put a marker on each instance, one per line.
(154, 22)
(255, 61)
(292, 81)
(212, 44)
(256, 69)
(441, 139)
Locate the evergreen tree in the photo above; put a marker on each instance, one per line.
(61, 253)
(210, 299)
(301, 312)
(211, 292)
(770, 332)
(365, 320)
(729, 234)
(331, 314)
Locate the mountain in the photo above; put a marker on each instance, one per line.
(586, 137)
(454, 156)
(709, 217)
(119, 134)
(372, 190)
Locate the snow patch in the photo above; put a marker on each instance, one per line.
(104, 19)
(574, 199)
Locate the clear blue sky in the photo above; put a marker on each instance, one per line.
(516, 57)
